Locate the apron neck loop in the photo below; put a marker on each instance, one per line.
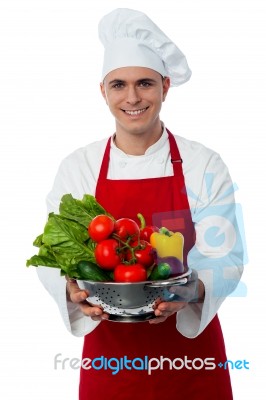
(176, 160)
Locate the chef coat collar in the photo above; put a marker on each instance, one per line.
(150, 151)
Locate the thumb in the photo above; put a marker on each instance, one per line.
(76, 295)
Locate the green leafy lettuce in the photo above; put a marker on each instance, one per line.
(65, 240)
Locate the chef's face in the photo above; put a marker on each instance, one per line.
(134, 96)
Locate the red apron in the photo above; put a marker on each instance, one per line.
(142, 341)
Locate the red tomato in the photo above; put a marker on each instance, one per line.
(126, 228)
(101, 227)
(106, 254)
(144, 253)
(130, 273)
(146, 232)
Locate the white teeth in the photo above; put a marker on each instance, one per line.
(135, 112)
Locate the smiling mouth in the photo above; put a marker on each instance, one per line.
(135, 112)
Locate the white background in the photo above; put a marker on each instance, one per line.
(50, 104)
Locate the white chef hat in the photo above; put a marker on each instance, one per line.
(131, 39)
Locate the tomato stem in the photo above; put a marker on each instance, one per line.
(125, 245)
(142, 221)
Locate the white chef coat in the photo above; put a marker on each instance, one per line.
(78, 174)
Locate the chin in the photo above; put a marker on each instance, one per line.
(137, 127)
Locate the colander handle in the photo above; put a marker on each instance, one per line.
(167, 283)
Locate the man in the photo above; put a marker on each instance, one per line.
(144, 168)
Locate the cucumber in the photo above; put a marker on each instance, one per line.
(89, 271)
(160, 272)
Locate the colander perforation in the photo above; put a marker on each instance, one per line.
(130, 298)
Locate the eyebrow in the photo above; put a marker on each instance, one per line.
(120, 81)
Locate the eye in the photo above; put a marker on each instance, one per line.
(145, 84)
(118, 85)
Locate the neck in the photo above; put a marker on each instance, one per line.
(136, 144)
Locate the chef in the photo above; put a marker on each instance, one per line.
(144, 167)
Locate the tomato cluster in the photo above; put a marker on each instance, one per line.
(122, 246)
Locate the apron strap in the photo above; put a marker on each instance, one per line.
(175, 157)
(105, 162)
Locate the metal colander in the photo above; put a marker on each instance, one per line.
(131, 302)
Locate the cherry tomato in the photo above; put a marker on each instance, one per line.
(106, 254)
(144, 253)
(146, 232)
(126, 228)
(130, 273)
(101, 227)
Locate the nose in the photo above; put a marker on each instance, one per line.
(133, 96)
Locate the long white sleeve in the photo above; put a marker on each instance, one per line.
(68, 180)
(219, 265)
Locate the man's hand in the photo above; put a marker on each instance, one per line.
(78, 296)
(192, 292)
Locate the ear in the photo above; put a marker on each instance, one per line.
(166, 86)
(102, 88)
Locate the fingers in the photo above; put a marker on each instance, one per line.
(75, 294)
(95, 312)
(165, 310)
(192, 291)
(78, 296)
(157, 320)
(182, 293)
(169, 308)
(188, 292)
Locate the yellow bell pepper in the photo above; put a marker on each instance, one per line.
(167, 243)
